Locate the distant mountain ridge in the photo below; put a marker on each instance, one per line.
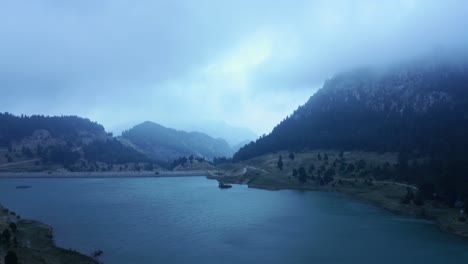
(233, 135)
(167, 144)
(405, 108)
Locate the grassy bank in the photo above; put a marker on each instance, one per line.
(263, 173)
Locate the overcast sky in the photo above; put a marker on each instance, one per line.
(245, 62)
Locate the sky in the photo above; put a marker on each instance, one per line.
(245, 63)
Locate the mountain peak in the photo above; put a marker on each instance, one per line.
(167, 144)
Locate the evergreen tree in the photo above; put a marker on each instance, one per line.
(302, 175)
(280, 163)
(350, 168)
(13, 227)
(294, 173)
(6, 235)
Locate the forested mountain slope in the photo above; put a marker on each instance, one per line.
(167, 144)
(414, 107)
(417, 109)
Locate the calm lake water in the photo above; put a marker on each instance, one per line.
(190, 220)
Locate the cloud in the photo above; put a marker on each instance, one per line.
(248, 63)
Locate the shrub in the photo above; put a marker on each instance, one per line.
(311, 168)
(408, 197)
(6, 235)
(350, 168)
(13, 227)
(11, 258)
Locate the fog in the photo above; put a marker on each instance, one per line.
(184, 63)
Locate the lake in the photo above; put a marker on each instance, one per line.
(190, 220)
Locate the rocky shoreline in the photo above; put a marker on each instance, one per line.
(31, 242)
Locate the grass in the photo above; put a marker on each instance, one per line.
(28, 167)
(306, 159)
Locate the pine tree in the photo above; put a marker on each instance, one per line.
(302, 175)
(294, 173)
(280, 162)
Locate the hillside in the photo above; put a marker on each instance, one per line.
(39, 143)
(166, 144)
(404, 108)
(72, 129)
(418, 109)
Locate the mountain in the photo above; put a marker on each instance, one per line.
(42, 142)
(419, 106)
(417, 109)
(67, 128)
(167, 144)
(232, 134)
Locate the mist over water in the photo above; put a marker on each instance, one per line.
(190, 220)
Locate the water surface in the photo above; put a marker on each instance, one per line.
(190, 220)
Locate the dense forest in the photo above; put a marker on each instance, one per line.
(417, 109)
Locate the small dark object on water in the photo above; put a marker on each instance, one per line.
(156, 173)
(224, 186)
(23, 187)
(97, 253)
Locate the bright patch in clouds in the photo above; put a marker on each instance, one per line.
(223, 90)
(234, 69)
(248, 63)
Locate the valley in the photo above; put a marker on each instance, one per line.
(394, 138)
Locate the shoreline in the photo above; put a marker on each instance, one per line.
(382, 196)
(33, 242)
(386, 196)
(120, 174)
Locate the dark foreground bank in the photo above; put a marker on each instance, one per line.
(31, 242)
